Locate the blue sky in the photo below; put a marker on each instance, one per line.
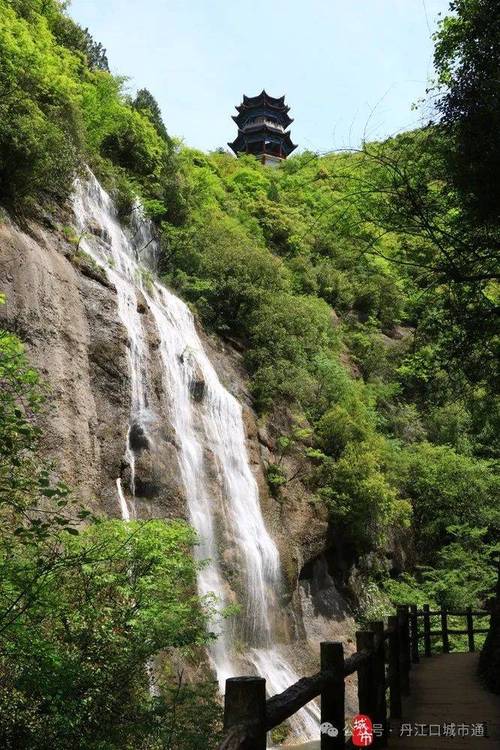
(349, 68)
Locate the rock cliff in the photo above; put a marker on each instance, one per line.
(65, 310)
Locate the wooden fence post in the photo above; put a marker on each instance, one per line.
(333, 696)
(427, 631)
(414, 634)
(380, 707)
(394, 668)
(404, 648)
(245, 701)
(444, 631)
(366, 688)
(470, 629)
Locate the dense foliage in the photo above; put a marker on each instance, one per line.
(397, 385)
(362, 288)
(467, 61)
(60, 107)
(83, 612)
(396, 391)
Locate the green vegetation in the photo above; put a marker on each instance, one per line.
(280, 734)
(60, 107)
(87, 265)
(83, 611)
(363, 289)
(401, 417)
(398, 384)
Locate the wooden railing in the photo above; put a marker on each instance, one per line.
(383, 659)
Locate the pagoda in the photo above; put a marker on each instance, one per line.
(262, 122)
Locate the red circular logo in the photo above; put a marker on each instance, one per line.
(362, 731)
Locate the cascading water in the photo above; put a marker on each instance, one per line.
(113, 250)
(177, 379)
(221, 491)
(222, 423)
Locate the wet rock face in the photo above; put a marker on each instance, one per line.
(69, 323)
(298, 524)
(325, 615)
(74, 336)
(318, 585)
(142, 307)
(158, 488)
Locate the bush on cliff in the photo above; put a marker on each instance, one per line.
(84, 611)
(60, 106)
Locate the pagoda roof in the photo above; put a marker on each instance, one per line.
(281, 115)
(250, 102)
(238, 145)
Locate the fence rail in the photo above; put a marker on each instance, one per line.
(383, 659)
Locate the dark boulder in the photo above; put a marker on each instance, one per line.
(137, 438)
(197, 385)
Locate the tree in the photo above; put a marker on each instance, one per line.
(73, 664)
(83, 611)
(74, 37)
(445, 489)
(437, 192)
(146, 103)
(40, 131)
(411, 215)
(361, 499)
(467, 60)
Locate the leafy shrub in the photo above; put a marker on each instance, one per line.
(445, 489)
(360, 496)
(84, 610)
(40, 128)
(59, 105)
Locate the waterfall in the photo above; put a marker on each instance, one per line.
(221, 491)
(124, 509)
(113, 250)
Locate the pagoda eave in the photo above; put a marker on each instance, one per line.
(240, 143)
(266, 130)
(284, 119)
(246, 107)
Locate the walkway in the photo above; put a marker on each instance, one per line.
(445, 690)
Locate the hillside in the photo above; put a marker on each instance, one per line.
(348, 301)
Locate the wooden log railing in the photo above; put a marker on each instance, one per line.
(383, 660)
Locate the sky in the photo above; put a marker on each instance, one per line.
(350, 69)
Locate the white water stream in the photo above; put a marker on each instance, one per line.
(224, 509)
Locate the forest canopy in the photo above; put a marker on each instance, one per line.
(362, 289)
(362, 285)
